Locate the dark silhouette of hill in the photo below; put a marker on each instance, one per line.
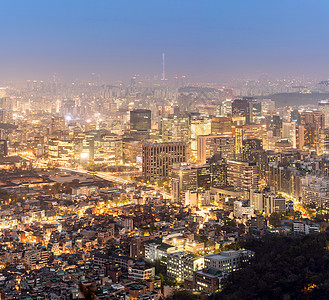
(291, 99)
(283, 268)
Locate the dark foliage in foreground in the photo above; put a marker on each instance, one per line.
(284, 268)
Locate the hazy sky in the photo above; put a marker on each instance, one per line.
(204, 39)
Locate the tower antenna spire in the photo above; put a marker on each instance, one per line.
(163, 75)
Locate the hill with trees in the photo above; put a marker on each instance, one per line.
(283, 268)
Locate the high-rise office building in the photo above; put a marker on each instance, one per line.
(256, 199)
(199, 126)
(324, 141)
(3, 148)
(267, 201)
(314, 117)
(61, 151)
(6, 103)
(274, 123)
(218, 171)
(140, 123)
(250, 148)
(208, 145)
(132, 151)
(157, 157)
(246, 111)
(289, 132)
(254, 112)
(221, 125)
(311, 137)
(324, 107)
(225, 108)
(191, 177)
(224, 94)
(295, 116)
(140, 120)
(267, 106)
(223, 146)
(6, 116)
(242, 175)
(250, 132)
(240, 110)
(57, 124)
(107, 148)
(176, 128)
(183, 178)
(3, 92)
(300, 137)
(67, 108)
(312, 121)
(284, 178)
(203, 177)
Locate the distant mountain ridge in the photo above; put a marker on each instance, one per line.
(291, 99)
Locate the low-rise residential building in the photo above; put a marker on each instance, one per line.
(37, 258)
(228, 261)
(126, 223)
(242, 211)
(85, 190)
(180, 265)
(157, 250)
(305, 228)
(207, 280)
(315, 190)
(139, 271)
(193, 246)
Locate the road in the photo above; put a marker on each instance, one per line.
(110, 176)
(117, 179)
(297, 206)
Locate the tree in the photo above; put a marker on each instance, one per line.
(4, 195)
(283, 268)
(229, 222)
(297, 215)
(275, 219)
(152, 227)
(183, 295)
(242, 227)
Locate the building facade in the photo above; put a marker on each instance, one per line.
(157, 157)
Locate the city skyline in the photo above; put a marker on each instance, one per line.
(164, 150)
